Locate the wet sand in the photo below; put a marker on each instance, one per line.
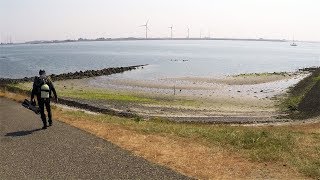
(229, 87)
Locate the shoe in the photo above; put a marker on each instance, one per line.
(50, 124)
(44, 127)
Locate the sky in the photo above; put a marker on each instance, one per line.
(26, 20)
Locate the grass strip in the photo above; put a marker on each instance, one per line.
(118, 96)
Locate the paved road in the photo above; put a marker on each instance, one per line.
(64, 152)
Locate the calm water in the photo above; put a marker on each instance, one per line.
(204, 58)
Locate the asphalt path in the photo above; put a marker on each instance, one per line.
(64, 152)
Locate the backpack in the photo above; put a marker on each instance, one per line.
(43, 87)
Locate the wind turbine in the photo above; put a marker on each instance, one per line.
(171, 30)
(146, 25)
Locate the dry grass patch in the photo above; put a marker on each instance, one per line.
(13, 96)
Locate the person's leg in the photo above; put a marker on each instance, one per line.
(43, 116)
(48, 107)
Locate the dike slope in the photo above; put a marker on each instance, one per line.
(303, 100)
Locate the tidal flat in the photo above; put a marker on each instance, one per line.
(239, 98)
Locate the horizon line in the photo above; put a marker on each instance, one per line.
(140, 38)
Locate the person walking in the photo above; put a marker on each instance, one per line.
(43, 89)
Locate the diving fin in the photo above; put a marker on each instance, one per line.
(31, 105)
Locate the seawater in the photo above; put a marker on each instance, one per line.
(166, 58)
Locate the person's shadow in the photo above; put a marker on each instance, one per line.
(21, 133)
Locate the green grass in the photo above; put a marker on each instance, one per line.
(291, 102)
(119, 96)
(94, 94)
(105, 95)
(22, 86)
(126, 97)
(261, 144)
(262, 74)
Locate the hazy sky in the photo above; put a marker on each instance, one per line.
(26, 20)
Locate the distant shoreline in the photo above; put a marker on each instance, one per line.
(149, 39)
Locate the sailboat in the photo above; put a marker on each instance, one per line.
(293, 43)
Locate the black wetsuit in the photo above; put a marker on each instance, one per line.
(43, 102)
